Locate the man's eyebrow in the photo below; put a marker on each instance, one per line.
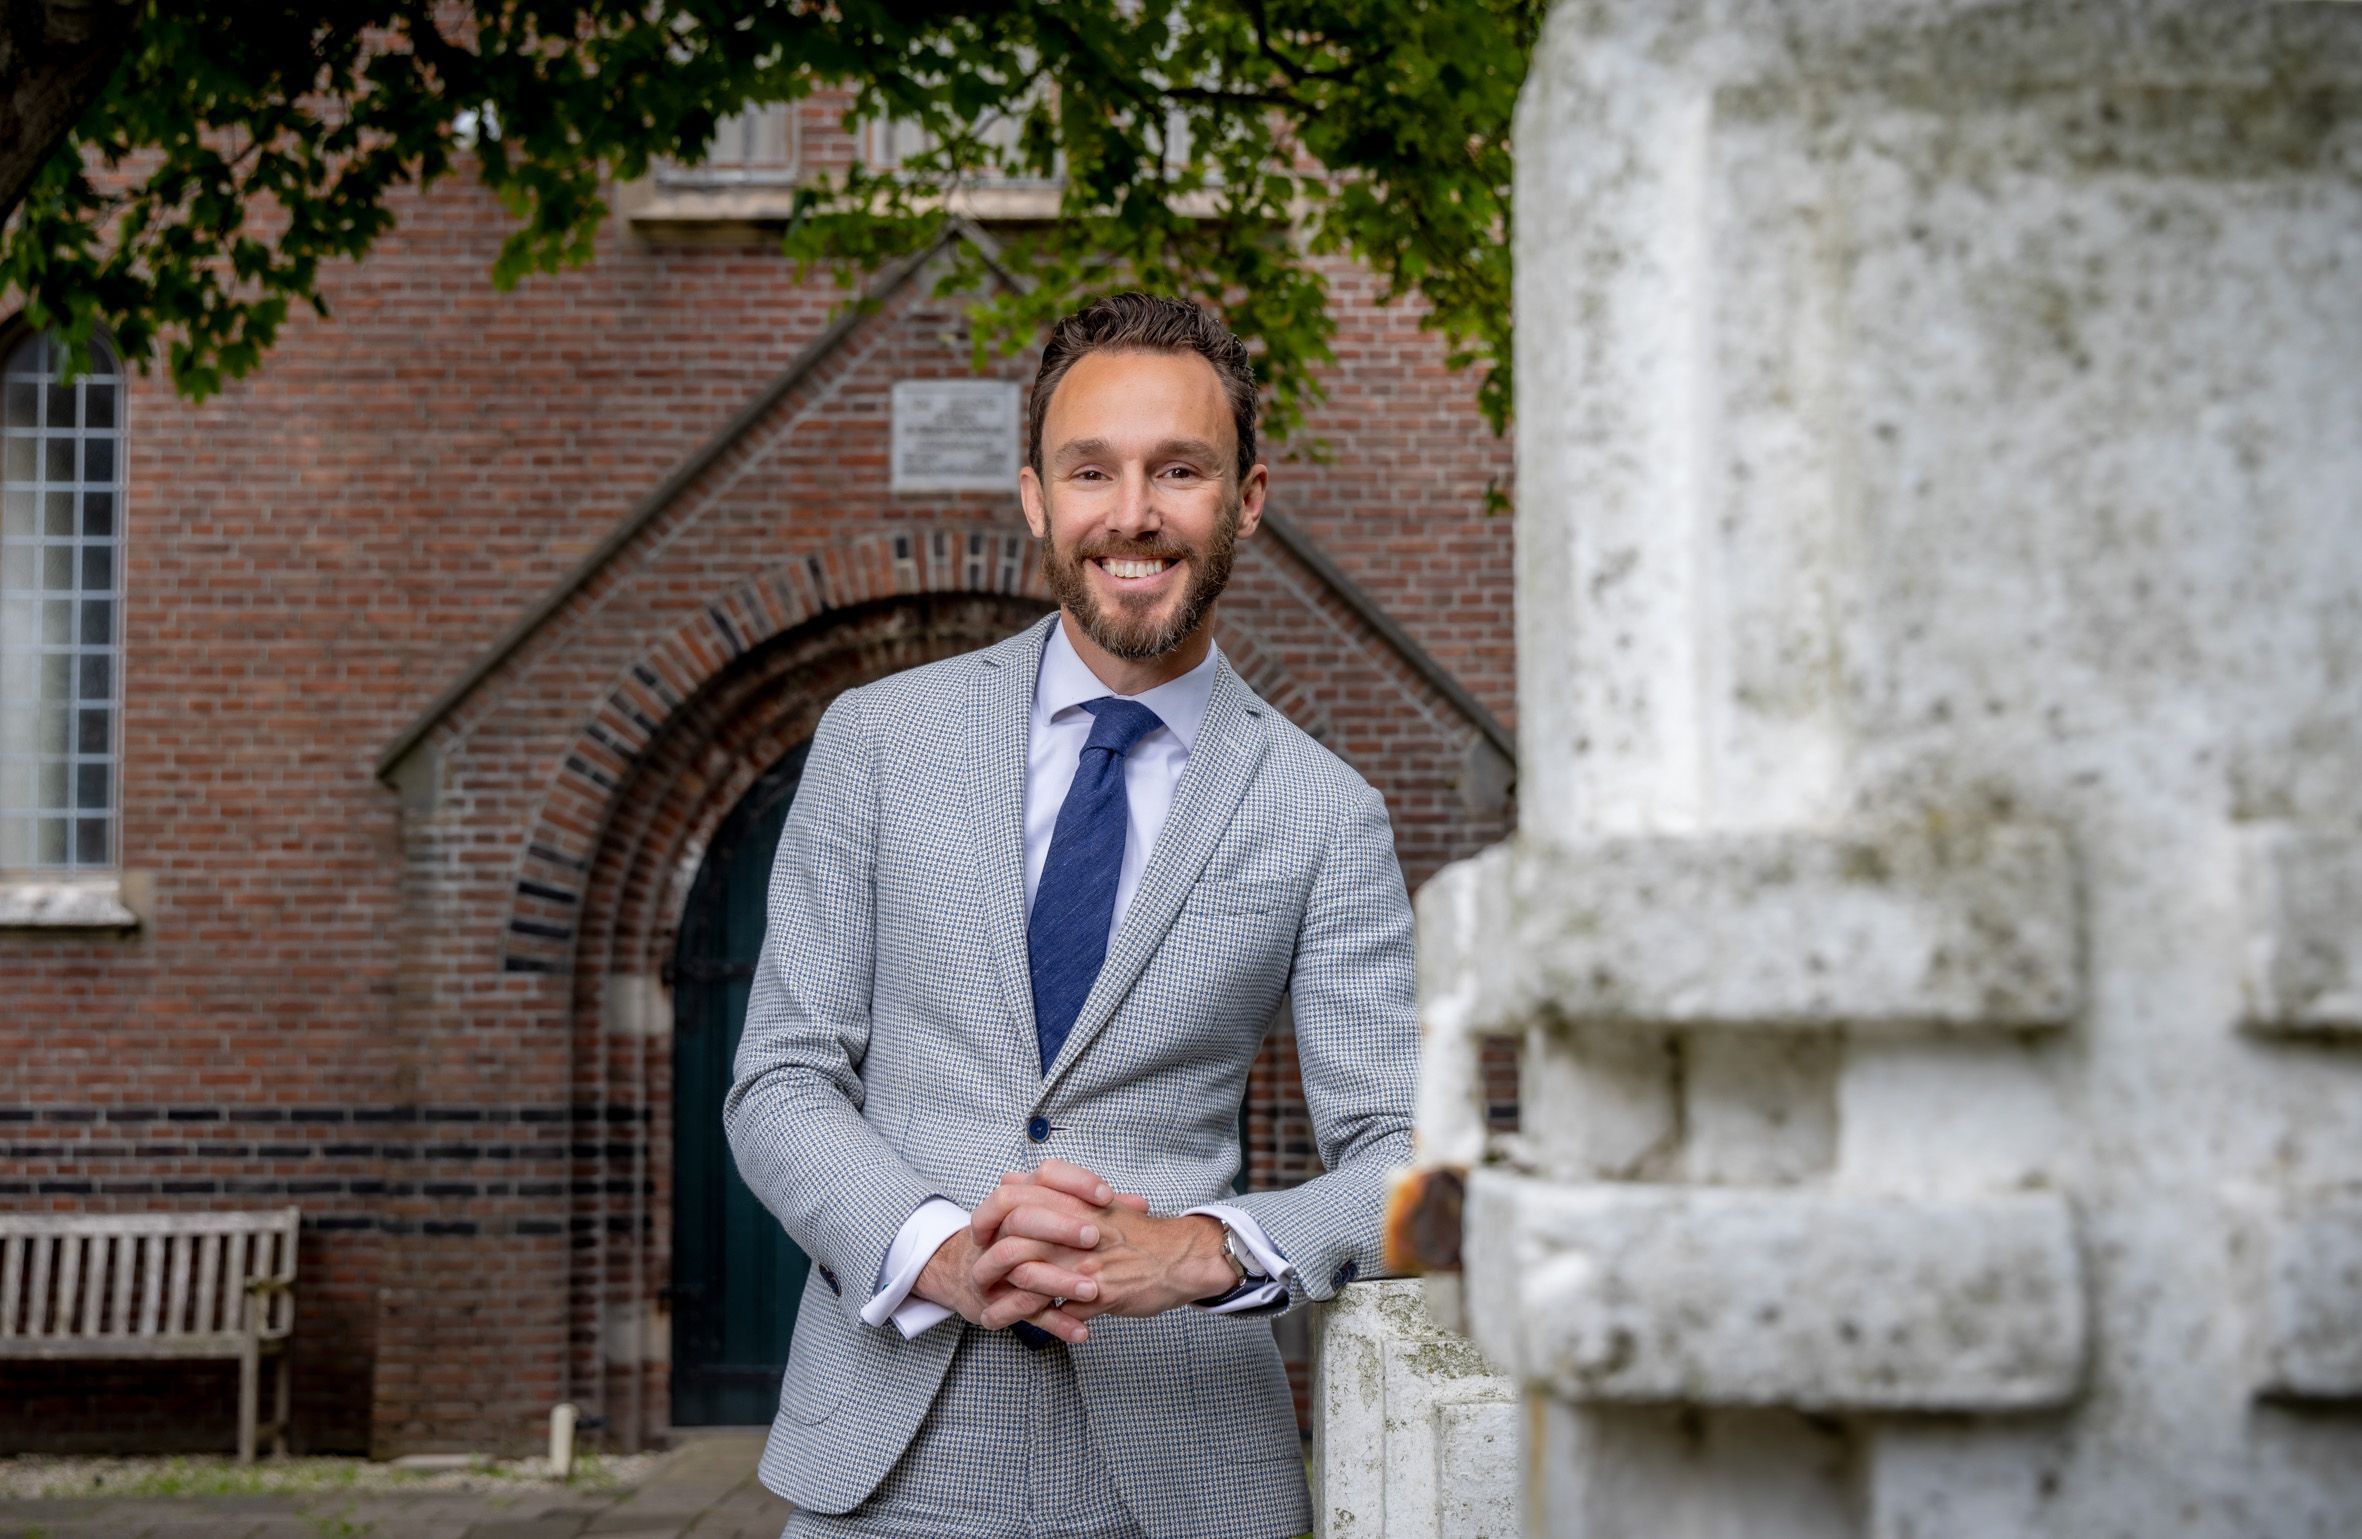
(1100, 448)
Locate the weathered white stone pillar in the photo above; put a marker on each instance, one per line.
(1414, 1434)
(1936, 922)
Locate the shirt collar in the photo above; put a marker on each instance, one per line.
(1066, 680)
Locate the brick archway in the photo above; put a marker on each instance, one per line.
(670, 678)
(634, 893)
(641, 790)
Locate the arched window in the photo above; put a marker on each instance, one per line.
(61, 612)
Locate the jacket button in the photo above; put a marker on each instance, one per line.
(1345, 1274)
(1038, 1130)
(830, 1278)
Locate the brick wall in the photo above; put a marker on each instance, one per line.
(322, 1008)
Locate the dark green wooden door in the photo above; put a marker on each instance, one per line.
(736, 1274)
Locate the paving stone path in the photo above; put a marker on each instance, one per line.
(705, 1488)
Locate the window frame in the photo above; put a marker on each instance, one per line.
(75, 878)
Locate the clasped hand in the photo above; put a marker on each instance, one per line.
(1058, 1246)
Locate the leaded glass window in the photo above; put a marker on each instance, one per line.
(61, 542)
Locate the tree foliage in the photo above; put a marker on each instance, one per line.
(1208, 147)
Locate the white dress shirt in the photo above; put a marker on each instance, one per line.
(1056, 733)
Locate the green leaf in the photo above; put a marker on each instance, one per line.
(243, 144)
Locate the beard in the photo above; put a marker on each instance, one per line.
(1129, 628)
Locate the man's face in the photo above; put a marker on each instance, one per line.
(1139, 503)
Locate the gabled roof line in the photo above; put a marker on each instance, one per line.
(679, 481)
(1298, 544)
(1421, 661)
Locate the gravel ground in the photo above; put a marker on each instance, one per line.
(29, 1476)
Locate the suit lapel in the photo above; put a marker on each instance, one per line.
(1002, 709)
(1221, 765)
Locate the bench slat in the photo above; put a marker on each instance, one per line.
(94, 1287)
(272, 1220)
(37, 1293)
(239, 1306)
(152, 1306)
(117, 1349)
(208, 1274)
(69, 1277)
(180, 1259)
(126, 1248)
(12, 1277)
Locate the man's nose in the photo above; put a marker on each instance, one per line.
(1136, 511)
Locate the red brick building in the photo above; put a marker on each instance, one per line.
(453, 669)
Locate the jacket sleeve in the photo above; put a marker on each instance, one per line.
(793, 1114)
(1354, 997)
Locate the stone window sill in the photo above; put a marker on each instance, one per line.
(42, 902)
(685, 203)
(654, 201)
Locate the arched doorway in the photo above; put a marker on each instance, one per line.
(736, 1274)
(696, 723)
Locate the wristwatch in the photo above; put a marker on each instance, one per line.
(1241, 1261)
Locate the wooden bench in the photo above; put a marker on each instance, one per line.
(155, 1285)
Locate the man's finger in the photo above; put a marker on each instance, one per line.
(1082, 1185)
(1006, 1306)
(1038, 1221)
(1053, 1281)
(994, 1262)
(985, 1223)
(1132, 1200)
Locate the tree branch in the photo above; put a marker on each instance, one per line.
(55, 57)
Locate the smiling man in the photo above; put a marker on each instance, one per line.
(1032, 912)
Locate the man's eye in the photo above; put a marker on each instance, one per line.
(1180, 470)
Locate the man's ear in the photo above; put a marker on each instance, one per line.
(1029, 492)
(1251, 493)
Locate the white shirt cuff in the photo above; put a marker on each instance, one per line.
(915, 1243)
(1268, 1260)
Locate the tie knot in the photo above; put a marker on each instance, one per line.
(1120, 723)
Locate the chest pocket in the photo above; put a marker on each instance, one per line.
(1246, 900)
(1237, 938)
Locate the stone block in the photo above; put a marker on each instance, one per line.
(1414, 1433)
(1476, 1471)
(1625, 1293)
(2301, 895)
(1656, 1472)
(1917, 926)
(2312, 1301)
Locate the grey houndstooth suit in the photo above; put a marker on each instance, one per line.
(889, 1056)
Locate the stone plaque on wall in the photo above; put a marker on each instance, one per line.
(955, 435)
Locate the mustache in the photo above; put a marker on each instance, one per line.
(1110, 550)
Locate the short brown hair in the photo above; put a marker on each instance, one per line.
(1146, 323)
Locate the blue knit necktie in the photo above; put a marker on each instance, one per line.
(1074, 906)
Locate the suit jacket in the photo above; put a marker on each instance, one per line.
(889, 1056)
